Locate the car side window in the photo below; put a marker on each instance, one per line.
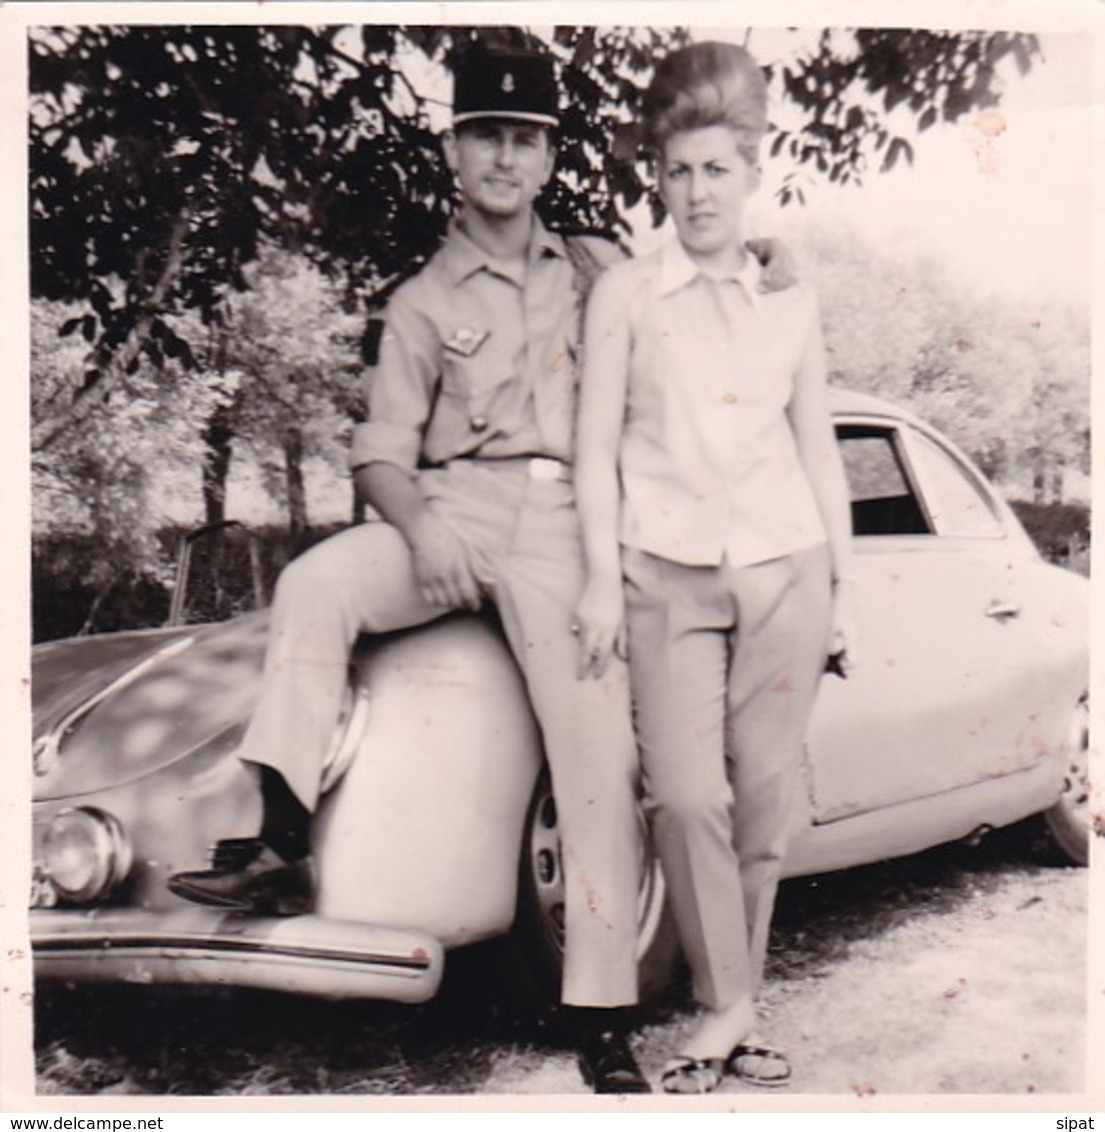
(882, 497)
(959, 505)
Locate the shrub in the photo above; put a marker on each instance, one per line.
(221, 580)
(1061, 531)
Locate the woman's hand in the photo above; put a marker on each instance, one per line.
(844, 641)
(599, 625)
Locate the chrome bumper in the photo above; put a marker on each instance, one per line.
(307, 955)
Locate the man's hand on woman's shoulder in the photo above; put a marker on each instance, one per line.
(780, 268)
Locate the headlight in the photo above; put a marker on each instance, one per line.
(85, 854)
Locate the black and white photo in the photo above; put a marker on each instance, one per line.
(551, 554)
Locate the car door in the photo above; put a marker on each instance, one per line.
(946, 692)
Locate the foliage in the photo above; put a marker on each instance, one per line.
(283, 364)
(847, 89)
(1061, 531)
(95, 481)
(220, 583)
(1008, 380)
(292, 352)
(162, 157)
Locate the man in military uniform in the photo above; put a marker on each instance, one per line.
(467, 456)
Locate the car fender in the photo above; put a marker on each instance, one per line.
(424, 829)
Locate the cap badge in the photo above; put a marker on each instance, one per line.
(508, 83)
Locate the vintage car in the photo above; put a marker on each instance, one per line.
(968, 711)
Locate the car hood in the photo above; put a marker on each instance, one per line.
(111, 709)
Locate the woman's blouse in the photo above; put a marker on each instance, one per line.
(708, 462)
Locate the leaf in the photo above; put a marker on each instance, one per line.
(100, 297)
(626, 141)
(927, 119)
(153, 351)
(899, 147)
(894, 96)
(69, 326)
(187, 357)
(1023, 49)
(88, 327)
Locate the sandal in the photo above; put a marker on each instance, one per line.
(761, 1056)
(691, 1075)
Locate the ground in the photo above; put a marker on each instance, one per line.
(986, 998)
(957, 971)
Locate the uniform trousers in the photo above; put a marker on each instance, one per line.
(724, 665)
(523, 536)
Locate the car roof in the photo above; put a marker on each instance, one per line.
(846, 402)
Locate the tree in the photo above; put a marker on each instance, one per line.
(293, 353)
(162, 158)
(95, 482)
(1008, 379)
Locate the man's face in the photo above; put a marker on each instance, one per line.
(501, 164)
(705, 183)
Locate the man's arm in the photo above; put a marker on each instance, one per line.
(780, 270)
(401, 387)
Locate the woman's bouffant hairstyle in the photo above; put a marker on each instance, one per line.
(707, 84)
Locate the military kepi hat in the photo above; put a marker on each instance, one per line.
(505, 84)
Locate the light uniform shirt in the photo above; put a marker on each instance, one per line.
(708, 461)
(478, 359)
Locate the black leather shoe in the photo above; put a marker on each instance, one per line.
(608, 1064)
(249, 876)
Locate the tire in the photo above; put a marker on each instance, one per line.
(537, 941)
(1067, 822)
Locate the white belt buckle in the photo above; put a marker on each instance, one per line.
(545, 468)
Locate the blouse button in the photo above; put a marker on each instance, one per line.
(730, 398)
(478, 424)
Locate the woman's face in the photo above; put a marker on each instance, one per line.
(705, 182)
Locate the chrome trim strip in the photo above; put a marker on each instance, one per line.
(127, 945)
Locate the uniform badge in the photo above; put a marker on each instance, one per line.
(466, 341)
(508, 83)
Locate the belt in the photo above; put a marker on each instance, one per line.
(544, 468)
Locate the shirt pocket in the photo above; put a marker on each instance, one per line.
(475, 376)
(474, 405)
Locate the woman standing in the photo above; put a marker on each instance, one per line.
(710, 484)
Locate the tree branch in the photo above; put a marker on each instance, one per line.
(112, 365)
